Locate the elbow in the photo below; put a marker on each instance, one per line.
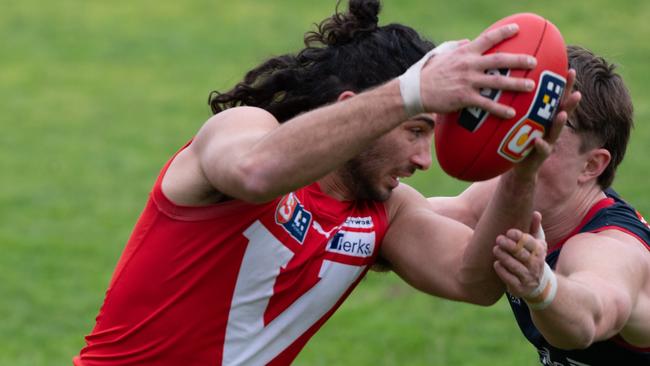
(575, 337)
(595, 327)
(576, 341)
(485, 299)
(479, 291)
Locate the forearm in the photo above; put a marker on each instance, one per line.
(569, 321)
(576, 317)
(469, 205)
(313, 144)
(510, 207)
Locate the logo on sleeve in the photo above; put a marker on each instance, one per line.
(293, 217)
(519, 140)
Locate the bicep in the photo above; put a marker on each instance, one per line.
(222, 144)
(468, 206)
(425, 249)
(609, 266)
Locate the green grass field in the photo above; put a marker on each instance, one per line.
(95, 96)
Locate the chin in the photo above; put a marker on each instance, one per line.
(382, 194)
(378, 194)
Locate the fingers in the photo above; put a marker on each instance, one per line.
(519, 261)
(519, 245)
(569, 92)
(536, 223)
(570, 81)
(492, 107)
(498, 81)
(513, 265)
(502, 60)
(542, 150)
(536, 227)
(556, 127)
(571, 98)
(509, 279)
(491, 38)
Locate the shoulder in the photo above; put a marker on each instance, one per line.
(608, 250)
(201, 173)
(245, 119)
(402, 199)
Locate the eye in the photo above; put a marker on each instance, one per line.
(417, 131)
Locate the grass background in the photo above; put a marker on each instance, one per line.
(95, 96)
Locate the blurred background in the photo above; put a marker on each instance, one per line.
(95, 96)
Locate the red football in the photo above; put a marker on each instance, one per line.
(473, 145)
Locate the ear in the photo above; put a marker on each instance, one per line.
(345, 95)
(597, 161)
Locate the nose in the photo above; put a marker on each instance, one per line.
(422, 158)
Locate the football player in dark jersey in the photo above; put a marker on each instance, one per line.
(584, 299)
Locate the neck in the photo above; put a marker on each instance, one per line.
(561, 219)
(334, 185)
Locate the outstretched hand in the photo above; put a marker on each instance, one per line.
(520, 258)
(452, 80)
(544, 147)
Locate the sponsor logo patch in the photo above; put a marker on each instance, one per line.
(518, 142)
(352, 243)
(293, 217)
(473, 117)
(359, 222)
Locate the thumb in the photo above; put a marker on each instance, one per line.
(536, 226)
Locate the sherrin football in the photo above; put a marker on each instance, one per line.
(473, 145)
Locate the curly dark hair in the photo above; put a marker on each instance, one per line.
(347, 51)
(604, 116)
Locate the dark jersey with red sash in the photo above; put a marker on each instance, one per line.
(611, 213)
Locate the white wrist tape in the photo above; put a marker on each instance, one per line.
(542, 296)
(409, 82)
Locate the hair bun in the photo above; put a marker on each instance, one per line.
(366, 12)
(341, 28)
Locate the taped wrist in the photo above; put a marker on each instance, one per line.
(542, 296)
(409, 82)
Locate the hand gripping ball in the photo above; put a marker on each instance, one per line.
(473, 145)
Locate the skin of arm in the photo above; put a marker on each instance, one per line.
(474, 277)
(245, 153)
(468, 206)
(600, 278)
(444, 257)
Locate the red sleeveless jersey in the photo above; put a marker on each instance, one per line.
(233, 283)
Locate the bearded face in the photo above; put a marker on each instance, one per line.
(374, 173)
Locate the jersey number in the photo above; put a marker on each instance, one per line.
(248, 340)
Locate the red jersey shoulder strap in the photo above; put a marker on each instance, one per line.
(605, 202)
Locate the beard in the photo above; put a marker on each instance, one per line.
(363, 183)
(362, 175)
